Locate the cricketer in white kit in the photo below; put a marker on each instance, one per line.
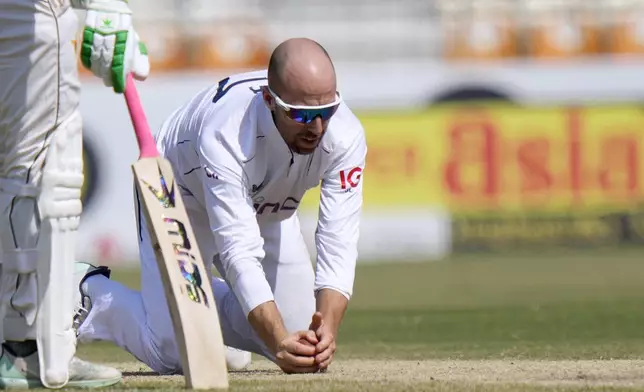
(41, 178)
(242, 186)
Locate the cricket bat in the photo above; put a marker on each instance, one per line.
(185, 278)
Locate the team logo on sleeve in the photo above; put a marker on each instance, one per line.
(350, 178)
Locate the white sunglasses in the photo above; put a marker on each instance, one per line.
(305, 114)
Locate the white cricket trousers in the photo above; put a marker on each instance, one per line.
(39, 85)
(39, 101)
(140, 323)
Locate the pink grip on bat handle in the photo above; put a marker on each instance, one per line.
(147, 146)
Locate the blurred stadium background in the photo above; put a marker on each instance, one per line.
(493, 125)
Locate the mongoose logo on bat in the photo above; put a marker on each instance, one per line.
(164, 195)
(176, 230)
(185, 258)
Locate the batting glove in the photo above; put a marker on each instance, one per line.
(110, 47)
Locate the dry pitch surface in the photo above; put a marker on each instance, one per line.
(401, 375)
(469, 324)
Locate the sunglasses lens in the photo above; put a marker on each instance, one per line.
(305, 116)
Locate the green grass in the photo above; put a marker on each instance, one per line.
(582, 305)
(575, 330)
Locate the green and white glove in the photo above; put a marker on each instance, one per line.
(110, 47)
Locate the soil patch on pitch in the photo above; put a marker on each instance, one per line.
(616, 373)
(584, 372)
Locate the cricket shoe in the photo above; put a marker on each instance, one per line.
(82, 301)
(23, 372)
(236, 359)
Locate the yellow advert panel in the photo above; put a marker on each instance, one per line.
(510, 159)
(511, 173)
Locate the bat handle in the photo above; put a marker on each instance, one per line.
(147, 146)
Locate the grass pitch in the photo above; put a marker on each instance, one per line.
(554, 322)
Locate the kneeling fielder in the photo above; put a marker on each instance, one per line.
(244, 152)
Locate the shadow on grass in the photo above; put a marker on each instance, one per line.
(143, 373)
(249, 372)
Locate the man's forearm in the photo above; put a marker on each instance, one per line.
(332, 304)
(267, 322)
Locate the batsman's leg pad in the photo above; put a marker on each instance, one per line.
(19, 228)
(37, 234)
(60, 207)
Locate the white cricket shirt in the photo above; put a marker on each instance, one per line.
(242, 172)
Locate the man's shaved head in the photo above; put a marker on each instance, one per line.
(301, 66)
(300, 73)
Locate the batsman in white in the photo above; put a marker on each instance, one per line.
(41, 177)
(244, 152)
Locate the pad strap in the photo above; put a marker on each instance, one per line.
(18, 188)
(20, 261)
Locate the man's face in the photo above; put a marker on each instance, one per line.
(302, 121)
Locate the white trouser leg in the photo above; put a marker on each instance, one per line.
(137, 322)
(134, 321)
(41, 176)
(141, 324)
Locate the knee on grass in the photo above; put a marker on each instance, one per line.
(163, 356)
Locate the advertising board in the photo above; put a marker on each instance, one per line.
(534, 177)
(513, 176)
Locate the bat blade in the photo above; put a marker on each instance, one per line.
(185, 279)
